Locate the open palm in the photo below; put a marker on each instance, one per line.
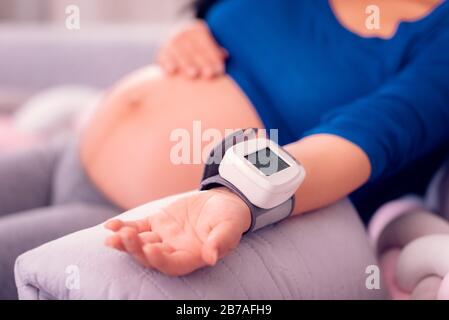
(189, 233)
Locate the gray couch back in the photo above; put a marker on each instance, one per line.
(33, 58)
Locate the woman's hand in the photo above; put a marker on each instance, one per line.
(193, 52)
(190, 233)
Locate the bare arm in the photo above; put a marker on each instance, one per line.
(204, 226)
(334, 166)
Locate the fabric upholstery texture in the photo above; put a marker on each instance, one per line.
(323, 254)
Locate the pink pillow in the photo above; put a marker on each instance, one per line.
(388, 262)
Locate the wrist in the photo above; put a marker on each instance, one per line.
(245, 215)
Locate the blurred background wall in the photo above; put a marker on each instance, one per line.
(94, 11)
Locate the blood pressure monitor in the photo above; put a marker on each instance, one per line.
(259, 171)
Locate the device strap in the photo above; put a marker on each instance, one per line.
(217, 153)
(260, 217)
(211, 179)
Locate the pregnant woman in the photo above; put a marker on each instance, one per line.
(363, 107)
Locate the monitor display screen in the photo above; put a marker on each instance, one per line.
(267, 161)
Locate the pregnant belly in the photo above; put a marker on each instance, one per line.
(126, 147)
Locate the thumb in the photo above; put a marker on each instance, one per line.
(221, 239)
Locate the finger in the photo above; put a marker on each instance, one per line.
(167, 62)
(221, 239)
(206, 66)
(208, 61)
(211, 44)
(212, 49)
(149, 237)
(166, 260)
(154, 254)
(114, 224)
(141, 225)
(184, 57)
(133, 244)
(114, 242)
(212, 52)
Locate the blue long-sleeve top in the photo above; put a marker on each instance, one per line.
(305, 74)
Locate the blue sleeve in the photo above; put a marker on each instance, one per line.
(404, 119)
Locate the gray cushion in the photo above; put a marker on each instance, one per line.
(321, 255)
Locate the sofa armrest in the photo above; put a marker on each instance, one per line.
(321, 255)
